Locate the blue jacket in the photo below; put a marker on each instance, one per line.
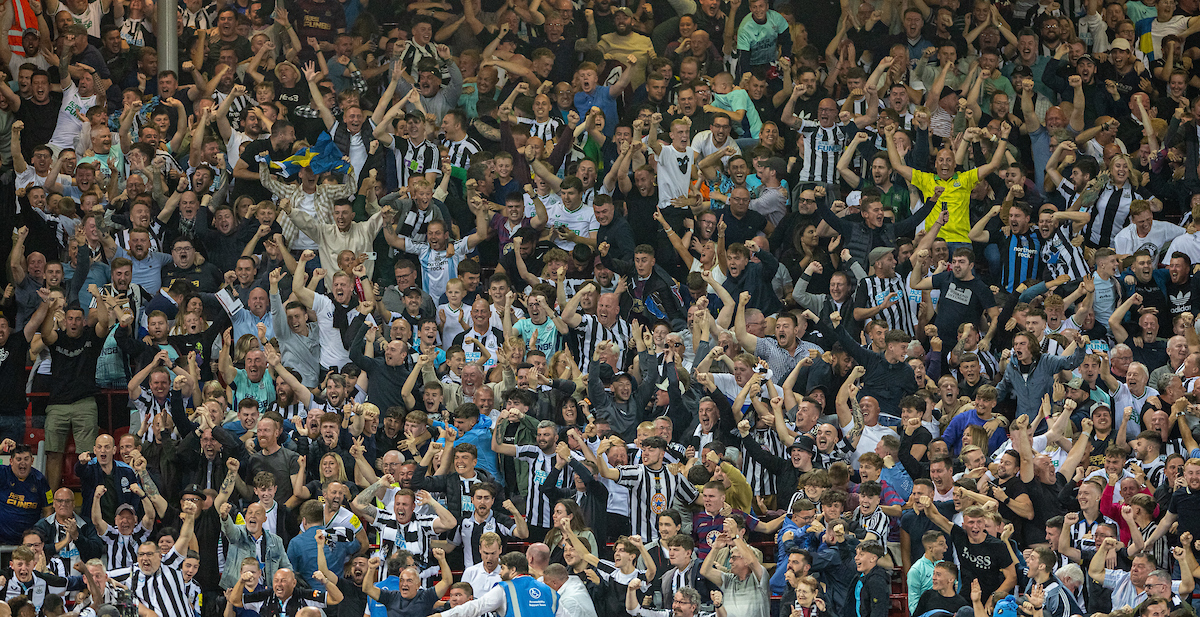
(91, 475)
(302, 552)
(480, 436)
(1028, 391)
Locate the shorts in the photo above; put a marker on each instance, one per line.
(79, 418)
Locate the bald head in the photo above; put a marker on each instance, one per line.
(538, 555)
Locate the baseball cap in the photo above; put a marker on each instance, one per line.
(947, 91)
(428, 65)
(877, 254)
(804, 443)
(1120, 43)
(1087, 57)
(623, 9)
(126, 507)
(1079, 383)
(778, 165)
(194, 489)
(32, 31)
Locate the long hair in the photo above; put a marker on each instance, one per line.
(1035, 348)
(340, 476)
(554, 536)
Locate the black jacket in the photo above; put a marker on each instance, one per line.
(450, 484)
(659, 289)
(873, 598)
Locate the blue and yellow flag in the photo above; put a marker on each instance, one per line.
(323, 156)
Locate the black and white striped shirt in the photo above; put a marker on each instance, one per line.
(38, 587)
(821, 147)
(546, 131)
(1060, 257)
(761, 481)
(876, 522)
(460, 152)
(203, 19)
(471, 530)
(235, 108)
(902, 314)
(415, 159)
(1083, 533)
(146, 406)
(1110, 214)
(164, 591)
(537, 504)
(414, 53)
(296, 413)
(272, 606)
(1066, 190)
(413, 536)
(122, 550)
(591, 332)
(1155, 471)
(650, 493)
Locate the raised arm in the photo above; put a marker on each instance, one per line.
(905, 171)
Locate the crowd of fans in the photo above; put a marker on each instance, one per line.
(684, 308)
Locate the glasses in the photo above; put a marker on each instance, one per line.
(146, 553)
(807, 201)
(192, 499)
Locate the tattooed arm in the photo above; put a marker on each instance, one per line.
(148, 486)
(227, 486)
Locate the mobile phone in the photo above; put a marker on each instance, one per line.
(943, 210)
(371, 254)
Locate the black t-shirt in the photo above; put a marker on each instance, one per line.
(12, 377)
(641, 216)
(204, 277)
(255, 189)
(737, 231)
(293, 97)
(968, 390)
(1183, 298)
(1152, 297)
(73, 366)
(1013, 488)
(984, 561)
(960, 302)
(920, 437)
(932, 600)
(40, 121)
(1152, 355)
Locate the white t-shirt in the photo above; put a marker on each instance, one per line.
(453, 327)
(674, 173)
(1127, 241)
(582, 221)
(703, 144)
(547, 200)
(71, 117)
(89, 18)
(333, 353)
